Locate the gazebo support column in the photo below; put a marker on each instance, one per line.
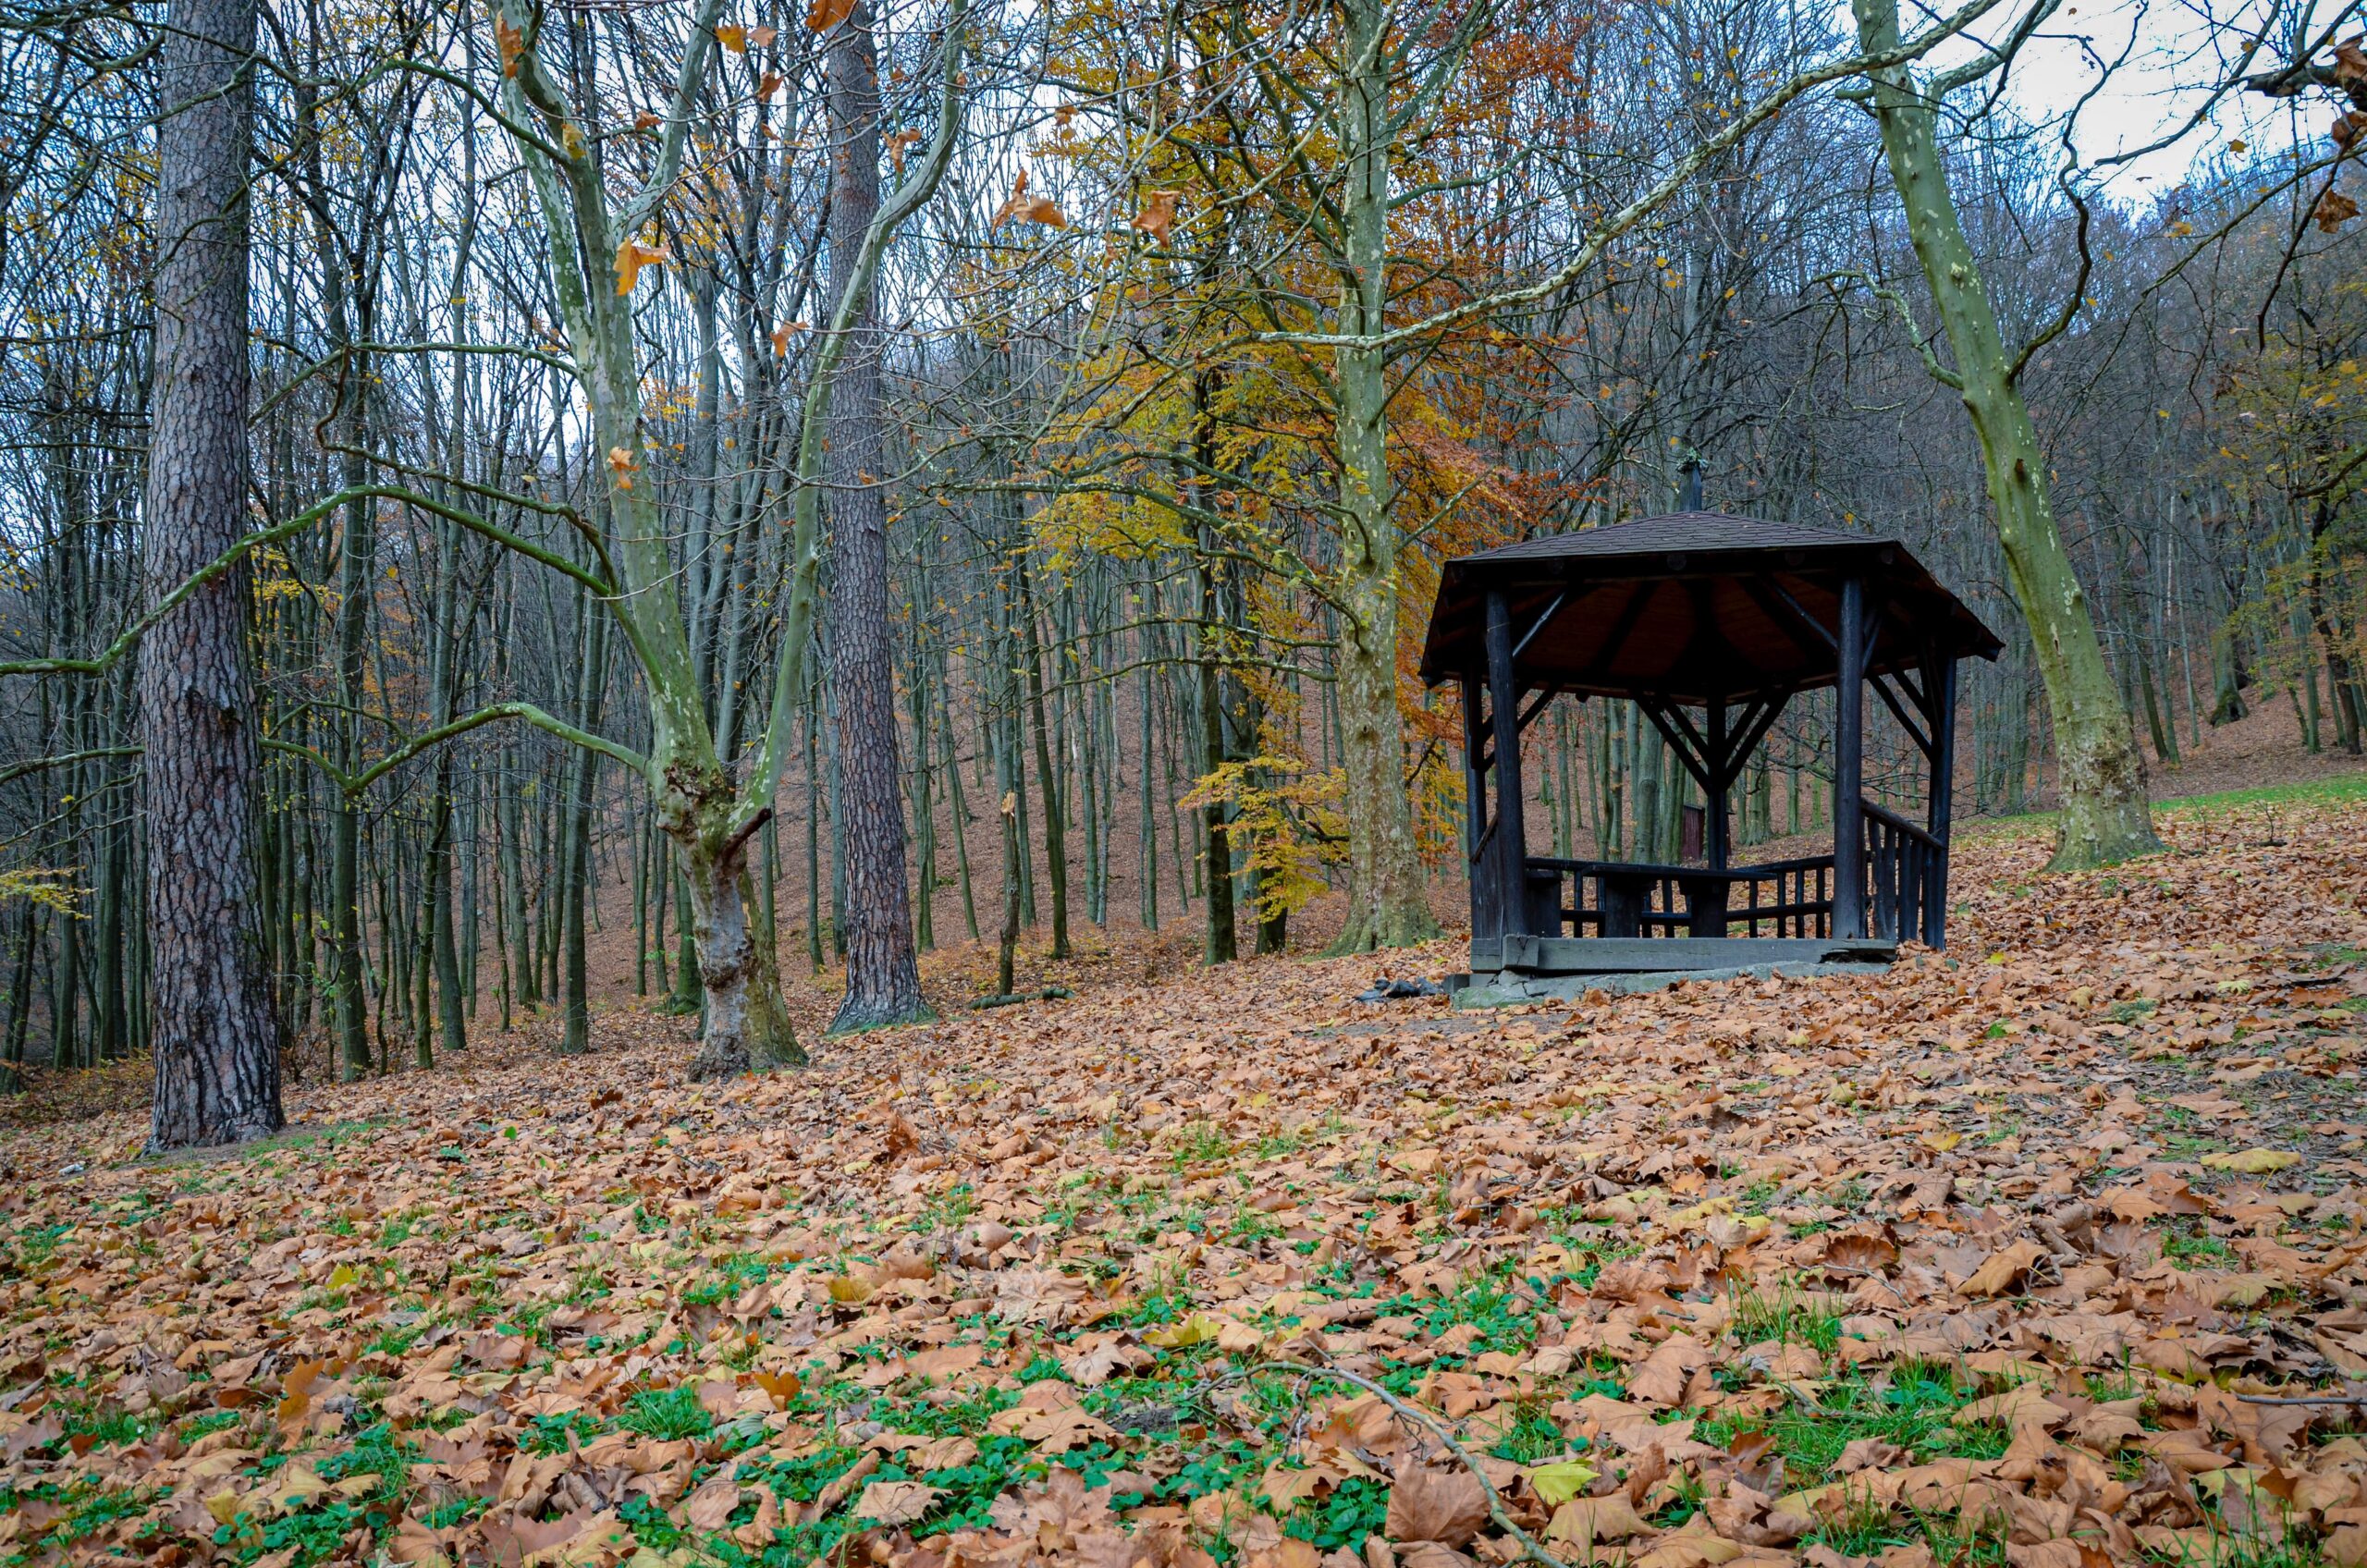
(1940, 686)
(1717, 837)
(1484, 918)
(1848, 764)
(1511, 856)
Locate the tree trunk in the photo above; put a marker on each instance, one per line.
(1386, 905)
(883, 972)
(215, 1036)
(747, 1027)
(2101, 774)
(575, 1033)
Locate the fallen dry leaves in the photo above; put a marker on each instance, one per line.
(1989, 1258)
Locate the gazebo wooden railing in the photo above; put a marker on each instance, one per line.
(1710, 625)
(1904, 884)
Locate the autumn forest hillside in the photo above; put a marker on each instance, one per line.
(1183, 784)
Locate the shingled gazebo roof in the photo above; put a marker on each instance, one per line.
(1693, 607)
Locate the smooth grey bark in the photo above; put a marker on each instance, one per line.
(2104, 814)
(215, 1035)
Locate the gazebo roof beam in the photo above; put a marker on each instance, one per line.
(1687, 745)
(1798, 615)
(1530, 635)
(1898, 710)
(1748, 736)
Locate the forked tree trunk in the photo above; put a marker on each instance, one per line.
(215, 1035)
(1386, 904)
(2105, 813)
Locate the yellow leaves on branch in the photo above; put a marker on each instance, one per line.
(1158, 216)
(783, 333)
(1031, 209)
(620, 465)
(631, 256)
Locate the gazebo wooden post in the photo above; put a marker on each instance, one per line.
(1848, 764)
(1717, 839)
(1475, 813)
(1503, 703)
(1940, 683)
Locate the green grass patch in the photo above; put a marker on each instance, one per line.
(1914, 1409)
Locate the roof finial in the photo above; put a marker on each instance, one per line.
(1689, 494)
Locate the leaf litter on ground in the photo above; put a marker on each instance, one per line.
(1997, 1257)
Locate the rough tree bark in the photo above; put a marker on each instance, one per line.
(883, 969)
(2104, 812)
(1386, 903)
(216, 1033)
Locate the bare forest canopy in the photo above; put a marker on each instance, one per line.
(804, 486)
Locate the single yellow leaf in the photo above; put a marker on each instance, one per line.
(1196, 1329)
(1557, 1483)
(732, 37)
(2253, 1162)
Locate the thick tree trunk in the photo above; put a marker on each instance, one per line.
(215, 1036)
(1386, 905)
(2100, 772)
(747, 1027)
(883, 970)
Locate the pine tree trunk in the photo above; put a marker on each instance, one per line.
(215, 1036)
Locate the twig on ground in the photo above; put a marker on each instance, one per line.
(1430, 1423)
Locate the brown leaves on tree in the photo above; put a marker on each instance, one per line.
(631, 256)
(2334, 210)
(1157, 215)
(1029, 209)
(510, 41)
(821, 16)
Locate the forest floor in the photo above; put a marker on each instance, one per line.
(2004, 1257)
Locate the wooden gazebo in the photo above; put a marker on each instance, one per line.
(1709, 623)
